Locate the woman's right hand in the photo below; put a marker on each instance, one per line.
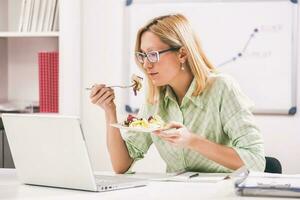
(103, 97)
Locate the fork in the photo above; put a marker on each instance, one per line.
(116, 86)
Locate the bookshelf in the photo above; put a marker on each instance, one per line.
(19, 56)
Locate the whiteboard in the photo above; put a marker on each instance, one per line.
(253, 41)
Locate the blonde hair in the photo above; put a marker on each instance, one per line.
(175, 31)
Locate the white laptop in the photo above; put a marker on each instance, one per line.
(50, 150)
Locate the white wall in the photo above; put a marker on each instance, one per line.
(102, 63)
(23, 63)
(3, 52)
(3, 15)
(3, 69)
(101, 50)
(70, 51)
(14, 11)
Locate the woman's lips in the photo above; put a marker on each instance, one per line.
(152, 74)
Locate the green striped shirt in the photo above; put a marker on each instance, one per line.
(221, 114)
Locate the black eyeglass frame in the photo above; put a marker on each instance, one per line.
(145, 55)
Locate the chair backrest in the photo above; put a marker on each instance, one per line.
(273, 165)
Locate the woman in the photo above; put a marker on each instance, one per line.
(215, 130)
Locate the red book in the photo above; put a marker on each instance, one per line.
(48, 81)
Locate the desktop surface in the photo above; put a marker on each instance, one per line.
(11, 188)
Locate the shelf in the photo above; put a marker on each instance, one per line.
(19, 77)
(28, 34)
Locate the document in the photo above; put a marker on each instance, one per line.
(187, 176)
(181, 176)
(199, 177)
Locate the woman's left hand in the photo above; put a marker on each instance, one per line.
(178, 136)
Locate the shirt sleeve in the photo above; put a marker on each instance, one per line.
(138, 143)
(239, 124)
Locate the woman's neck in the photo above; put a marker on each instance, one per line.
(181, 84)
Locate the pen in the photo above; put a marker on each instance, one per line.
(193, 175)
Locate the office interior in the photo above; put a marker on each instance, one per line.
(94, 40)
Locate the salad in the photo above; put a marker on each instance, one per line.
(154, 121)
(137, 83)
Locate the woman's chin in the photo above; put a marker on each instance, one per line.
(157, 83)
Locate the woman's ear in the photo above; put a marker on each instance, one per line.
(182, 55)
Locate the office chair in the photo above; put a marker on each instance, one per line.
(273, 165)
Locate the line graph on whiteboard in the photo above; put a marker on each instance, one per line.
(257, 54)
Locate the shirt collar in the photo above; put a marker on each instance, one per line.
(169, 95)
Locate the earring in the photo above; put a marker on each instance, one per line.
(182, 66)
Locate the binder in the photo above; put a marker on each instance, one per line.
(35, 16)
(41, 20)
(21, 22)
(48, 82)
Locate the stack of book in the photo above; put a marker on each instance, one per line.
(39, 16)
(48, 81)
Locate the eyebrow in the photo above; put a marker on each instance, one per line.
(147, 50)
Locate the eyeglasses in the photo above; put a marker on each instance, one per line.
(152, 56)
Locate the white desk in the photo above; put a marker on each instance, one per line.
(10, 189)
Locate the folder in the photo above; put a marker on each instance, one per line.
(267, 184)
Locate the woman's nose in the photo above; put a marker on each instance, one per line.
(147, 64)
